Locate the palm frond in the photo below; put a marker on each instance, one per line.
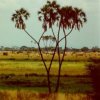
(19, 16)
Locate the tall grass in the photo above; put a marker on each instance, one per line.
(29, 95)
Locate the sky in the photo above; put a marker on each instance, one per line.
(88, 36)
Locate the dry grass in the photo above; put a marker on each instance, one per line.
(30, 95)
(70, 56)
(21, 64)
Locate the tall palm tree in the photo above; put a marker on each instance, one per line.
(19, 16)
(52, 14)
(66, 18)
(70, 18)
(49, 14)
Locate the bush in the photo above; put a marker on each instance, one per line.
(5, 53)
(94, 69)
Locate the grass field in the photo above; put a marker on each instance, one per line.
(69, 56)
(36, 67)
(27, 73)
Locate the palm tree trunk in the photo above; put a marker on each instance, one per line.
(60, 64)
(48, 76)
(59, 61)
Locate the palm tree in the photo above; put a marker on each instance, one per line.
(48, 38)
(49, 15)
(45, 39)
(70, 18)
(65, 18)
(19, 18)
(52, 14)
(52, 40)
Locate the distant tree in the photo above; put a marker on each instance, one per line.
(48, 39)
(95, 49)
(75, 49)
(2, 48)
(23, 48)
(52, 14)
(45, 40)
(7, 48)
(53, 39)
(26, 49)
(85, 49)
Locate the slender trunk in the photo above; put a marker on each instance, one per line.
(54, 52)
(46, 46)
(53, 33)
(59, 61)
(31, 36)
(58, 79)
(47, 70)
(48, 75)
(60, 64)
(65, 37)
(52, 57)
(58, 51)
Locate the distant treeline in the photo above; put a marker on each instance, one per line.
(26, 48)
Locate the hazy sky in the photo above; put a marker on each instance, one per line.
(89, 35)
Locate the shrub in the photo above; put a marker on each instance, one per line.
(5, 53)
(94, 69)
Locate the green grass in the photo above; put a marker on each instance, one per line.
(37, 83)
(74, 79)
(23, 67)
(74, 76)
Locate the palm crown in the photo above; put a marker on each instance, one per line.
(19, 16)
(66, 17)
(49, 14)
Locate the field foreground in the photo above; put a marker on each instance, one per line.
(29, 74)
(30, 95)
(25, 79)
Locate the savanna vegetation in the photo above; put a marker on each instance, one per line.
(26, 76)
(44, 71)
(65, 18)
(18, 70)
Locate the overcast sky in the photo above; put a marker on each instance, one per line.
(88, 36)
